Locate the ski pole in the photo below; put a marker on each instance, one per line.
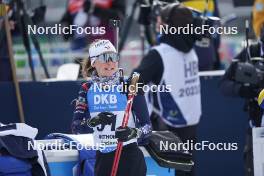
(13, 69)
(131, 94)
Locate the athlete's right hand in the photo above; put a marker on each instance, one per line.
(103, 118)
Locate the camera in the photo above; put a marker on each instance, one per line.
(251, 72)
(149, 11)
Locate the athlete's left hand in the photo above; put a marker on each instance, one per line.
(103, 118)
(124, 134)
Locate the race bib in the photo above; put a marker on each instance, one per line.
(107, 101)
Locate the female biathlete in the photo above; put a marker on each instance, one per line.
(102, 109)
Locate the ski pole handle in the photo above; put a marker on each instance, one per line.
(133, 85)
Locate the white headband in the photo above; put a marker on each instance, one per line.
(100, 47)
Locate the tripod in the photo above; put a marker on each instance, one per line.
(23, 21)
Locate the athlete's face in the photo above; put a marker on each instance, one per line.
(105, 68)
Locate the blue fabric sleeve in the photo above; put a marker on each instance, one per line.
(143, 122)
(81, 112)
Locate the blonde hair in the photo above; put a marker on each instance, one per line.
(87, 68)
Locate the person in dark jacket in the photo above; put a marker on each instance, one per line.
(174, 63)
(230, 87)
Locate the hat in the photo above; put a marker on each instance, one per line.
(100, 47)
(176, 15)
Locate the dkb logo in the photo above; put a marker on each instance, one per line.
(105, 99)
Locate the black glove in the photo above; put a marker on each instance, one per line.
(103, 118)
(124, 134)
(248, 91)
